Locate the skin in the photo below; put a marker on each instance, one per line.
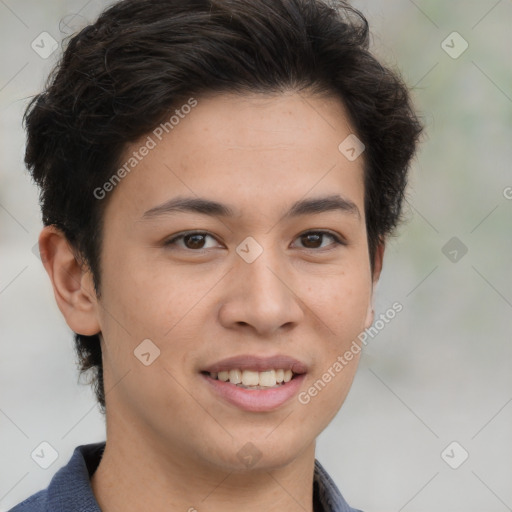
(171, 443)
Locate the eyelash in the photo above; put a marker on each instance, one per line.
(337, 239)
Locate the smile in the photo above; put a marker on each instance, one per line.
(252, 379)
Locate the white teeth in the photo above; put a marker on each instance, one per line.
(250, 378)
(267, 379)
(235, 376)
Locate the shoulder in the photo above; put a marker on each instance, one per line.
(69, 489)
(35, 503)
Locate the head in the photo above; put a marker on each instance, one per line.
(249, 104)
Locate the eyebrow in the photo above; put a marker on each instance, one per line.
(212, 208)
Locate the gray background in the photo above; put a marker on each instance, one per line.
(438, 373)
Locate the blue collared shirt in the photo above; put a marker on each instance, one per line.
(70, 488)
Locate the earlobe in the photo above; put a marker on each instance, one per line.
(378, 261)
(72, 284)
(370, 314)
(377, 269)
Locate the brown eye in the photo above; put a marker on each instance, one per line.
(195, 241)
(314, 239)
(311, 240)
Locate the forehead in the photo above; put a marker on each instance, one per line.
(255, 149)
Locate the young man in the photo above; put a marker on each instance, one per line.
(218, 178)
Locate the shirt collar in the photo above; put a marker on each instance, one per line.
(326, 494)
(70, 489)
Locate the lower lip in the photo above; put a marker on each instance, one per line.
(256, 400)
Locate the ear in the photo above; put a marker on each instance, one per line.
(378, 261)
(72, 283)
(377, 269)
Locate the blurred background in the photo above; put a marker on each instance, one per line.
(428, 422)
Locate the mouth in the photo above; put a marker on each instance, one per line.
(253, 379)
(253, 383)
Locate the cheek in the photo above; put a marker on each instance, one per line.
(147, 299)
(166, 306)
(341, 303)
(341, 306)
(342, 311)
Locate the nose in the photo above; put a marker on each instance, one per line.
(261, 297)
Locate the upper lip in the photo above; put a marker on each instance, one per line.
(258, 363)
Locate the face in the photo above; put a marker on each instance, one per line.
(274, 276)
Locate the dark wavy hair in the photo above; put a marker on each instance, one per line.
(119, 78)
